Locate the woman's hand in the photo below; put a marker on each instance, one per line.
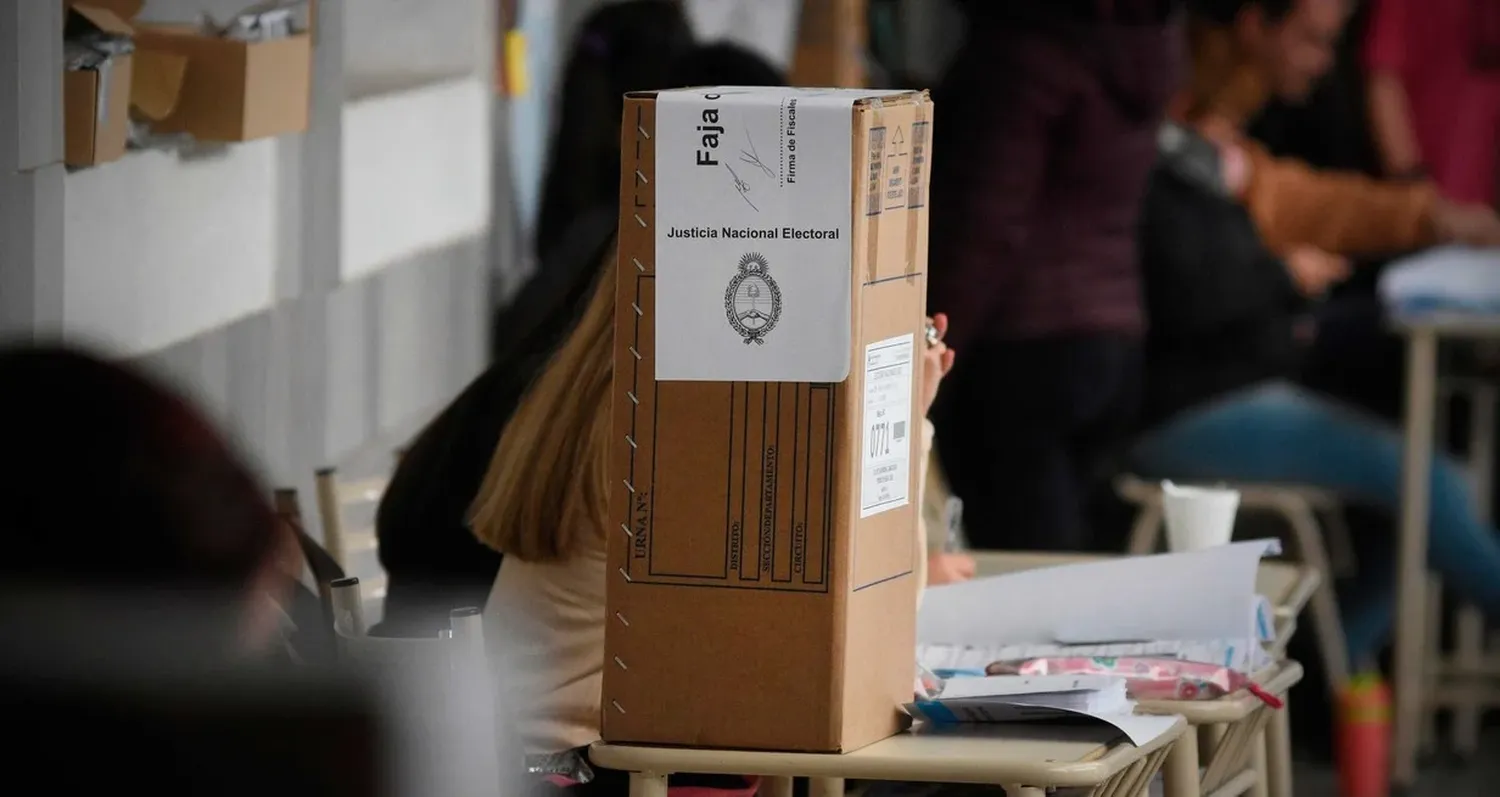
(937, 361)
(949, 568)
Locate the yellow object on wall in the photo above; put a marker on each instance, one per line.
(515, 80)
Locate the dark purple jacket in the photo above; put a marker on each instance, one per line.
(1046, 134)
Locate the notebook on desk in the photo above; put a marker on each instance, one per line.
(1003, 698)
(999, 699)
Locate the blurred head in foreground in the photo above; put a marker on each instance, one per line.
(118, 495)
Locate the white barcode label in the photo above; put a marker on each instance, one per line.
(885, 472)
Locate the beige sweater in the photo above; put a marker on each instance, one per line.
(545, 629)
(544, 626)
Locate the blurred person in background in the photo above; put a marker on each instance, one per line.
(1228, 326)
(1049, 115)
(1246, 51)
(1329, 128)
(431, 557)
(620, 48)
(121, 499)
(1434, 93)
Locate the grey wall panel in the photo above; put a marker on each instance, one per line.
(308, 417)
(395, 44)
(213, 375)
(470, 300)
(292, 214)
(31, 252)
(248, 386)
(280, 394)
(401, 343)
(320, 163)
(413, 336)
(30, 85)
(350, 362)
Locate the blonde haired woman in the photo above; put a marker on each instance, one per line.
(543, 505)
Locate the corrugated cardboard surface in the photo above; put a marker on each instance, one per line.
(748, 604)
(232, 90)
(89, 139)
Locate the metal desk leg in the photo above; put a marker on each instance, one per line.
(1279, 752)
(648, 784)
(1180, 773)
(1411, 610)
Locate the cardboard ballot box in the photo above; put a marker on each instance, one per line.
(96, 85)
(765, 461)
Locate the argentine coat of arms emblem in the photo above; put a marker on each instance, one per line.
(752, 301)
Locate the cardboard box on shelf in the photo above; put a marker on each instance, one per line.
(234, 90)
(96, 85)
(220, 89)
(768, 333)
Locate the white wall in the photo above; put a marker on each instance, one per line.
(316, 292)
(438, 190)
(158, 250)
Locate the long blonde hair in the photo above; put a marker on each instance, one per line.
(546, 481)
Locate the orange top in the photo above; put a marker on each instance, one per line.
(1339, 212)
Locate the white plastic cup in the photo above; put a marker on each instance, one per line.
(1198, 517)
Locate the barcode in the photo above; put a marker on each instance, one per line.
(898, 430)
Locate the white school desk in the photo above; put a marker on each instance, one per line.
(1026, 759)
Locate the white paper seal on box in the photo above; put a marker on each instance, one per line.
(753, 234)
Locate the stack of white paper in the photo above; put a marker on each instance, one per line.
(1200, 606)
(1100, 693)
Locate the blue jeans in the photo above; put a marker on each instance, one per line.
(1278, 433)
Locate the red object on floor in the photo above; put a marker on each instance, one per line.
(1364, 738)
